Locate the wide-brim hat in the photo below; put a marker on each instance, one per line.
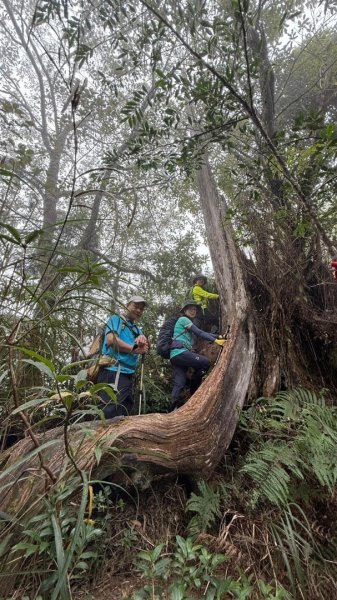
(200, 276)
(188, 303)
(136, 300)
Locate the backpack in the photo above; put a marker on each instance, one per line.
(165, 337)
(97, 359)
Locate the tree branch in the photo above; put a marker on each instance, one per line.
(256, 121)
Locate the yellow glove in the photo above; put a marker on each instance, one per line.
(220, 342)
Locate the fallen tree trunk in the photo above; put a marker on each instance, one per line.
(191, 440)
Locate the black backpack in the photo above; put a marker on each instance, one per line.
(165, 337)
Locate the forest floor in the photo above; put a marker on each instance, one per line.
(111, 587)
(157, 518)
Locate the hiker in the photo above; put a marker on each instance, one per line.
(124, 341)
(181, 356)
(204, 316)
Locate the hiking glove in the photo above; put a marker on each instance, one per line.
(220, 342)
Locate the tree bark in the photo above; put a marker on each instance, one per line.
(191, 440)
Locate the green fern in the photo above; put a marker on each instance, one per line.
(304, 431)
(270, 467)
(206, 506)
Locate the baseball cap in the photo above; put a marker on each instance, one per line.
(136, 300)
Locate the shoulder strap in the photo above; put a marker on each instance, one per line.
(118, 362)
(179, 334)
(135, 333)
(125, 323)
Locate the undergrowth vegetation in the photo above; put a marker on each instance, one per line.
(262, 528)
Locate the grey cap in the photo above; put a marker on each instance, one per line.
(136, 300)
(188, 303)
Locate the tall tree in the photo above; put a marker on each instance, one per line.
(272, 238)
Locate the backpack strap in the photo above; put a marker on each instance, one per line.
(179, 334)
(131, 328)
(125, 324)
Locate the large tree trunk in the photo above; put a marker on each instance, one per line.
(191, 440)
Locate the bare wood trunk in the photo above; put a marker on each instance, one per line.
(191, 440)
(224, 254)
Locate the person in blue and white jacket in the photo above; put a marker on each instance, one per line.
(125, 342)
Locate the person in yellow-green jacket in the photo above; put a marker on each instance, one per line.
(202, 297)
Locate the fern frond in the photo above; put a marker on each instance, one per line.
(270, 467)
(317, 440)
(308, 450)
(206, 506)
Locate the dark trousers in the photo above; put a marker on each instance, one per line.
(181, 363)
(125, 400)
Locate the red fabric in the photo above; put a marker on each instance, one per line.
(334, 266)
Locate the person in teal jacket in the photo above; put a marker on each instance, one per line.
(181, 355)
(124, 341)
(204, 318)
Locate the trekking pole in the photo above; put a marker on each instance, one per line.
(141, 386)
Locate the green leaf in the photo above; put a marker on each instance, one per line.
(33, 235)
(60, 557)
(88, 554)
(157, 551)
(62, 378)
(177, 591)
(40, 366)
(83, 566)
(38, 357)
(3, 236)
(31, 404)
(28, 547)
(98, 454)
(6, 173)
(15, 233)
(145, 555)
(27, 457)
(80, 379)
(74, 542)
(103, 386)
